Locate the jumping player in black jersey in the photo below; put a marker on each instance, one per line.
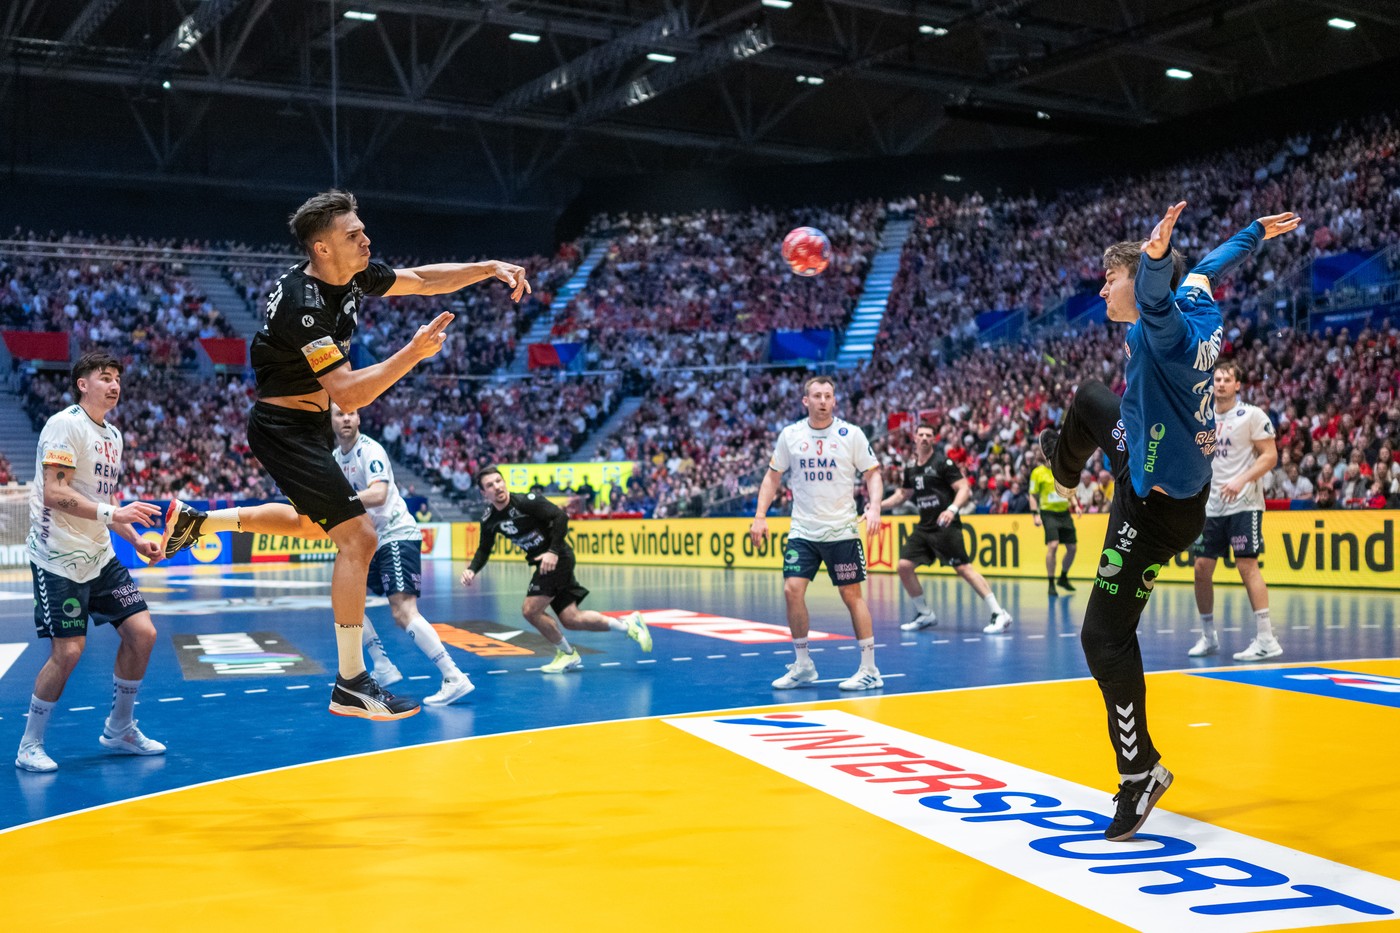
(301, 362)
(939, 490)
(538, 527)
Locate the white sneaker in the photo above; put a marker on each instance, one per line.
(386, 675)
(1261, 649)
(798, 675)
(130, 742)
(452, 691)
(34, 758)
(922, 620)
(863, 679)
(1001, 621)
(1204, 646)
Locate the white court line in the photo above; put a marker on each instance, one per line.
(682, 659)
(971, 639)
(1069, 634)
(80, 709)
(940, 641)
(647, 661)
(749, 654)
(259, 690)
(300, 687)
(420, 677)
(610, 664)
(210, 696)
(170, 699)
(711, 657)
(507, 672)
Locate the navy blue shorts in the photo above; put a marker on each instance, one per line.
(845, 560)
(397, 567)
(62, 607)
(1242, 532)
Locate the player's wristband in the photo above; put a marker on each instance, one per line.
(106, 513)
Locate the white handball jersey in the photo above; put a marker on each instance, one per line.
(824, 465)
(1236, 432)
(365, 465)
(91, 456)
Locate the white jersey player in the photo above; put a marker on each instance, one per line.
(397, 569)
(823, 458)
(76, 572)
(1245, 450)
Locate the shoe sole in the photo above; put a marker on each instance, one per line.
(794, 686)
(916, 627)
(33, 770)
(125, 749)
(1203, 654)
(562, 670)
(1264, 657)
(356, 712)
(875, 686)
(997, 631)
(170, 511)
(1151, 803)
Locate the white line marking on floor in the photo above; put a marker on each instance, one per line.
(1197, 725)
(210, 696)
(711, 657)
(80, 709)
(682, 659)
(610, 664)
(940, 641)
(259, 690)
(299, 687)
(507, 672)
(971, 639)
(749, 654)
(1069, 634)
(420, 677)
(169, 699)
(647, 661)
(845, 647)
(1035, 636)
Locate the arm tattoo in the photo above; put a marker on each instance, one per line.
(68, 503)
(59, 475)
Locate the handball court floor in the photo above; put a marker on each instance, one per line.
(679, 791)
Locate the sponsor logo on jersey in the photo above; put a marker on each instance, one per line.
(307, 320)
(58, 458)
(321, 353)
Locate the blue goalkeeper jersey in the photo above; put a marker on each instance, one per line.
(1168, 421)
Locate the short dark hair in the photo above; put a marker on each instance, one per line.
(925, 426)
(93, 361)
(487, 472)
(815, 379)
(318, 213)
(1233, 368)
(1127, 254)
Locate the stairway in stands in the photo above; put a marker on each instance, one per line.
(859, 341)
(539, 330)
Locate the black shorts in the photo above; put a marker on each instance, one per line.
(845, 560)
(1242, 532)
(946, 545)
(559, 584)
(62, 607)
(295, 449)
(1059, 526)
(397, 567)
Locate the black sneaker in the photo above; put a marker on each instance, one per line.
(1052, 592)
(1049, 440)
(182, 524)
(1135, 801)
(362, 697)
(1063, 583)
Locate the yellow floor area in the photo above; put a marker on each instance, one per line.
(640, 824)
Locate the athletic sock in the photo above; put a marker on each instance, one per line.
(921, 603)
(867, 653)
(38, 720)
(617, 625)
(564, 645)
(220, 520)
(123, 704)
(799, 645)
(1208, 627)
(992, 603)
(374, 646)
(428, 642)
(350, 654)
(1264, 623)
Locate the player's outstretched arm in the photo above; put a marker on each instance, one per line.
(445, 277)
(352, 389)
(1222, 260)
(895, 498)
(60, 495)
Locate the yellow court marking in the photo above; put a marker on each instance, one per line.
(638, 823)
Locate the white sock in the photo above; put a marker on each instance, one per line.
(617, 625)
(1208, 626)
(221, 520)
(123, 704)
(921, 602)
(374, 646)
(799, 645)
(992, 603)
(1264, 623)
(1134, 777)
(350, 655)
(428, 642)
(563, 644)
(38, 720)
(867, 653)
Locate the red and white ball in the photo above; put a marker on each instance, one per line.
(807, 251)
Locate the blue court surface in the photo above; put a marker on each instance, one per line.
(240, 678)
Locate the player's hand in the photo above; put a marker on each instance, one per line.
(758, 530)
(428, 341)
(872, 517)
(1036, 518)
(150, 550)
(468, 577)
(945, 518)
(1160, 242)
(548, 561)
(137, 513)
(514, 276)
(1231, 490)
(1275, 224)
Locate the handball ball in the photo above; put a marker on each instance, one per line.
(807, 251)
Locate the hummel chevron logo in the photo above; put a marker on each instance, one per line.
(1125, 710)
(1130, 755)
(1128, 741)
(1128, 726)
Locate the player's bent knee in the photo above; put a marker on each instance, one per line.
(794, 587)
(66, 651)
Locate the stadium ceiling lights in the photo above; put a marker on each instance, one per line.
(1337, 22)
(810, 79)
(661, 57)
(1180, 74)
(778, 4)
(361, 16)
(529, 37)
(928, 30)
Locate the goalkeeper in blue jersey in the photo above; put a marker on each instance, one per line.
(1159, 439)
